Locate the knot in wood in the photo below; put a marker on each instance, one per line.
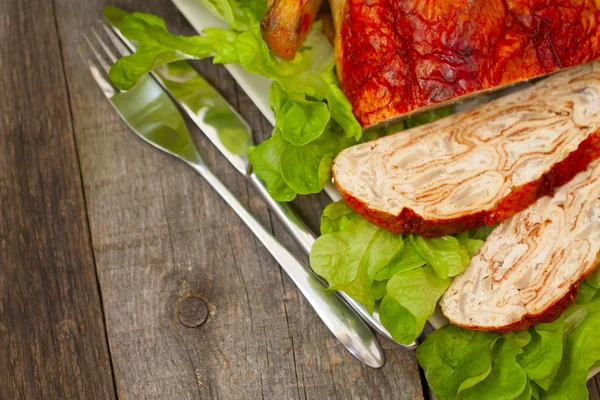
(192, 312)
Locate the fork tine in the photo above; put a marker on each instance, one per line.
(107, 50)
(99, 57)
(98, 73)
(115, 40)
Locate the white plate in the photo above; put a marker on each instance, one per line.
(257, 88)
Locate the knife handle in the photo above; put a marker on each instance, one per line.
(305, 237)
(345, 325)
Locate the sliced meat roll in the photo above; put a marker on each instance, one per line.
(395, 57)
(480, 166)
(528, 270)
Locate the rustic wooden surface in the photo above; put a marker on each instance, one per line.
(122, 274)
(52, 335)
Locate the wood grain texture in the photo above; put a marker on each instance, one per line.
(161, 234)
(594, 388)
(52, 337)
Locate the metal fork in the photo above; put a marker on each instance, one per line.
(186, 77)
(152, 115)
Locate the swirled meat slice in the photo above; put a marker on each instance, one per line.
(528, 270)
(398, 56)
(480, 166)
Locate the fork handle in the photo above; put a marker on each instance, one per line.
(345, 325)
(305, 237)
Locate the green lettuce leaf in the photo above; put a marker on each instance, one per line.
(464, 364)
(519, 339)
(354, 255)
(157, 47)
(336, 217)
(379, 289)
(240, 15)
(586, 293)
(466, 240)
(581, 353)
(306, 169)
(288, 170)
(542, 356)
(300, 121)
(410, 300)
(114, 14)
(507, 379)
(266, 160)
(456, 359)
(482, 232)
(527, 393)
(555, 358)
(445, 254)
(594, 279)
(409, 259)
(535, 391)
(350, 258)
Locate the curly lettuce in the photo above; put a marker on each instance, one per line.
(410, 300)
(351, 253)
(407, 272)
(310, 109)
(549, 361)
(240, 15)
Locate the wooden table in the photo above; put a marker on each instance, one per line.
(122, 274)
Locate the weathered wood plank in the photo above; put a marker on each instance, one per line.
(52, 337)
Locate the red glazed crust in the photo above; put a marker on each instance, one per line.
(397, 56)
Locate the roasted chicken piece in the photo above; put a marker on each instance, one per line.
(395, 57)
(480, 166)
(286, 24)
